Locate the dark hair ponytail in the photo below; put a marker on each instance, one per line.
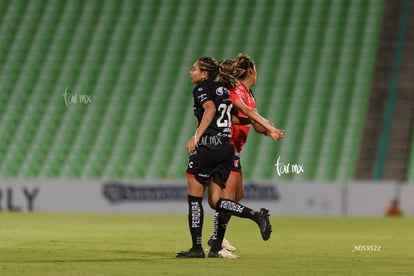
(228, 73)
(224, 72)
(243, 63)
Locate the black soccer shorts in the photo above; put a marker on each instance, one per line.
(211, 162)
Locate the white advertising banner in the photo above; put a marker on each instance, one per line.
(282, 198)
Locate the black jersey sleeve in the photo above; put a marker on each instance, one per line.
(202, 93)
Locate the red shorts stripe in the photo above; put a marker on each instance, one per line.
(189, 175)
(235, 173)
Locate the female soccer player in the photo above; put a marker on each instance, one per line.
(211, 154)
(243, 100)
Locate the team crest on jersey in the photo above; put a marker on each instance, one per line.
(220, 91)
(200, 89)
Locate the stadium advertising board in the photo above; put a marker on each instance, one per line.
(284, 198)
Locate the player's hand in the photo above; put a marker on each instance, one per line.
(276, 134)
(192, 144)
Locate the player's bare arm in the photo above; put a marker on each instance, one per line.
(273, 132)
(237, 120)
(209, 111)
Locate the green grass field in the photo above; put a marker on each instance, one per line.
(129, 244)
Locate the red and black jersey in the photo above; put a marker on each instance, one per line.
(241, 132)
(209, 90)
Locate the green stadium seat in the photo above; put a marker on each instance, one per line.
(314, 63)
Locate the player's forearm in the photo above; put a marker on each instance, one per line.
(205, 122)
(236, 120)
(254, 116)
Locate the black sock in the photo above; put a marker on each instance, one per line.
(195, 220)
(220, 220)
(215, 226)
(236, 209)
(214, 242)
(220, 224)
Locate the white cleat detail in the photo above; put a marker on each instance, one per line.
(226, 244)
(224, 253)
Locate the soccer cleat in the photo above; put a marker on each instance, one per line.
(223, 253)
(191, 253)
(264, 224)
(225, 244)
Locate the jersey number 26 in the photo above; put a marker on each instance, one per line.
(224, 120)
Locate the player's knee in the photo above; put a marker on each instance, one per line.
(212, 201)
